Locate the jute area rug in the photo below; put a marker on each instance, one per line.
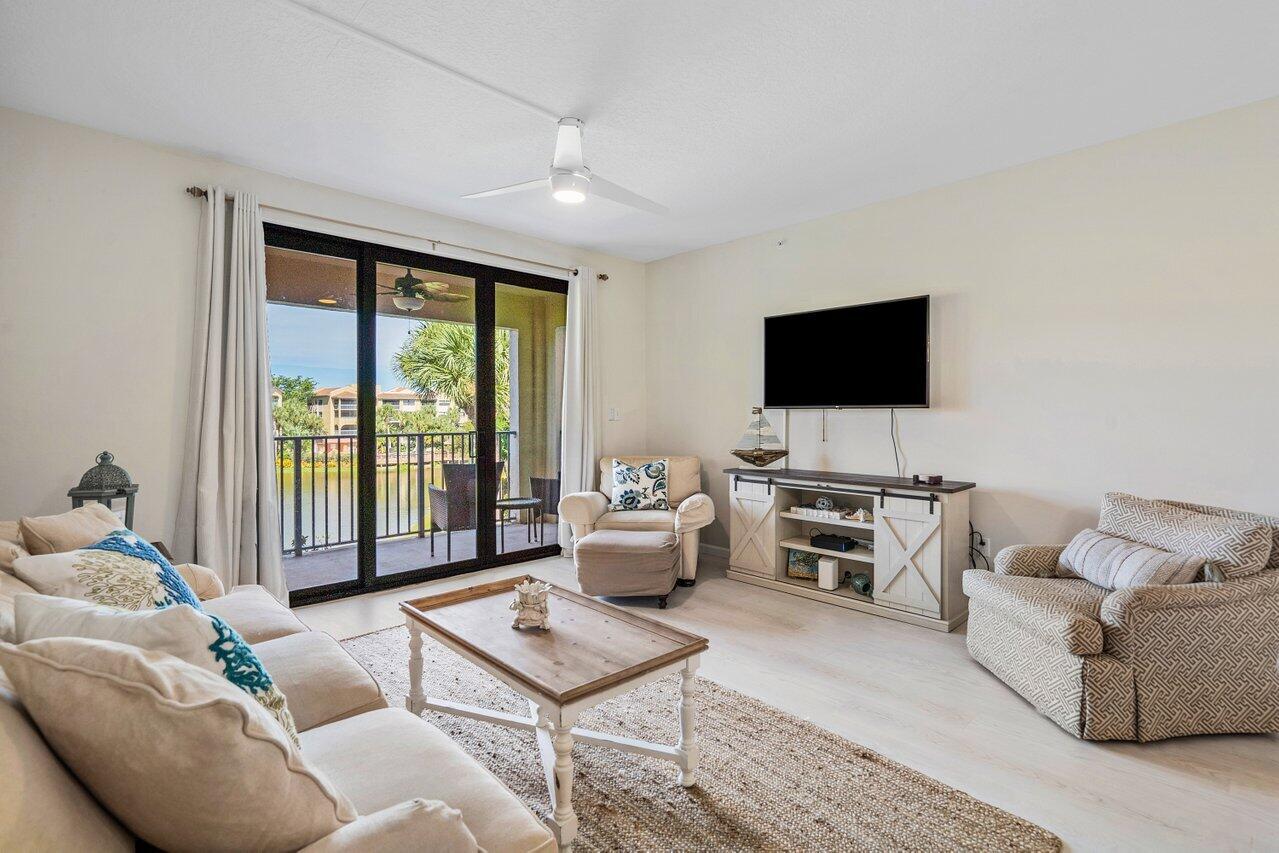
(768, 780)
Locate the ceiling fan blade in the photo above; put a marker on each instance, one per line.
(513, 188)
(448, 297)
(568, 146)
(607, 189)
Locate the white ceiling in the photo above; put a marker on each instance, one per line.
(740, 115)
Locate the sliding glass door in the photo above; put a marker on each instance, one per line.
(431, 437)
(311, 339)
(426, 419)
(528, 357)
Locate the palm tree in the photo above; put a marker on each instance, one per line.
(438, 359)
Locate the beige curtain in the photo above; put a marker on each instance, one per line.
(583, 406)
(227, 511)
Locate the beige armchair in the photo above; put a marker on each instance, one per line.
(691, 509)
(1142, 663)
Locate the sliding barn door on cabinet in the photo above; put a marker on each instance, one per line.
(908, 556)
(752, 527)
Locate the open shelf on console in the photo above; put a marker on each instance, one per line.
(843, 591)
(800, 543)
(933, 519)
(838, 522)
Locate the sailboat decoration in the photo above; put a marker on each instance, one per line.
(759, 445)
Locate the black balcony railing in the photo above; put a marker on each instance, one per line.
(316, 477)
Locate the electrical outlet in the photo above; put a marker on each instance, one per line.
(983, 545)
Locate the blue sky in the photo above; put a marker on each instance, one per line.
(321, 344)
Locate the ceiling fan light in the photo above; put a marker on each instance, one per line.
(408, 303)
(569, 187)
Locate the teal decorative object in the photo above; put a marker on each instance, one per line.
(862, 584)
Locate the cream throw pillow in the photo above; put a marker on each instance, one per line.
(1115, 563)
(414, 825)
(11, 547)
(10, 588)
(179, 756)
(123, 570)
(188, 634)
(53, 534)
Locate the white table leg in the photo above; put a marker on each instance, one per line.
(558, 761)
(689, 754)
(416, 700)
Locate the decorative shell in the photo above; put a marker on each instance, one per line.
(532, 588)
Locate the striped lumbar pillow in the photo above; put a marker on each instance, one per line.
(1115, 563)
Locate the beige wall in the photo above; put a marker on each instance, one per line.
(1105, 319)
(1102, 319)
(97, 258)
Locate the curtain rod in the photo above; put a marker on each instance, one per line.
(200, 192)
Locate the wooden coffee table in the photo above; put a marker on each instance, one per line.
(593, 652)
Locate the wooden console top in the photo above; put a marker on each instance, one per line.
(845, 479)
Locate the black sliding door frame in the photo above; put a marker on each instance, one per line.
(367, 256)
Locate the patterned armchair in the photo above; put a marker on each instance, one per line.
(1142, 663)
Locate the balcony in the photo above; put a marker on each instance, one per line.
(316, 477)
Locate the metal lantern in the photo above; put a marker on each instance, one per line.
(103, 483)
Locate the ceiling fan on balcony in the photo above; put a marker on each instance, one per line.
(570, 181)
(411, 292)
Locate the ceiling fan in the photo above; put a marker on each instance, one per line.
(411, 292)
(570, 180)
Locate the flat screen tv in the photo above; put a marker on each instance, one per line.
(861, 356)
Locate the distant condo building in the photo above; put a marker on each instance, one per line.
(337, 405)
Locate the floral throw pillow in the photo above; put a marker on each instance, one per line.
(639, 486)
(123, 571)
(187, 633)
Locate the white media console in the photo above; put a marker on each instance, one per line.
(920, 535)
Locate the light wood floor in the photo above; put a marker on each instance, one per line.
(914, 695)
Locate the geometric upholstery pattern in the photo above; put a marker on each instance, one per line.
(1237, 548)
(1062, 611)
(1175, 660)
(1090, 696)
(1204, 655)
(1238, 515)
(1031, 561)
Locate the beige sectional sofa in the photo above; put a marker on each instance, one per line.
(378, 756)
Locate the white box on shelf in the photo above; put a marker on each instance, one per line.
(810, 512)
(828, 573)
